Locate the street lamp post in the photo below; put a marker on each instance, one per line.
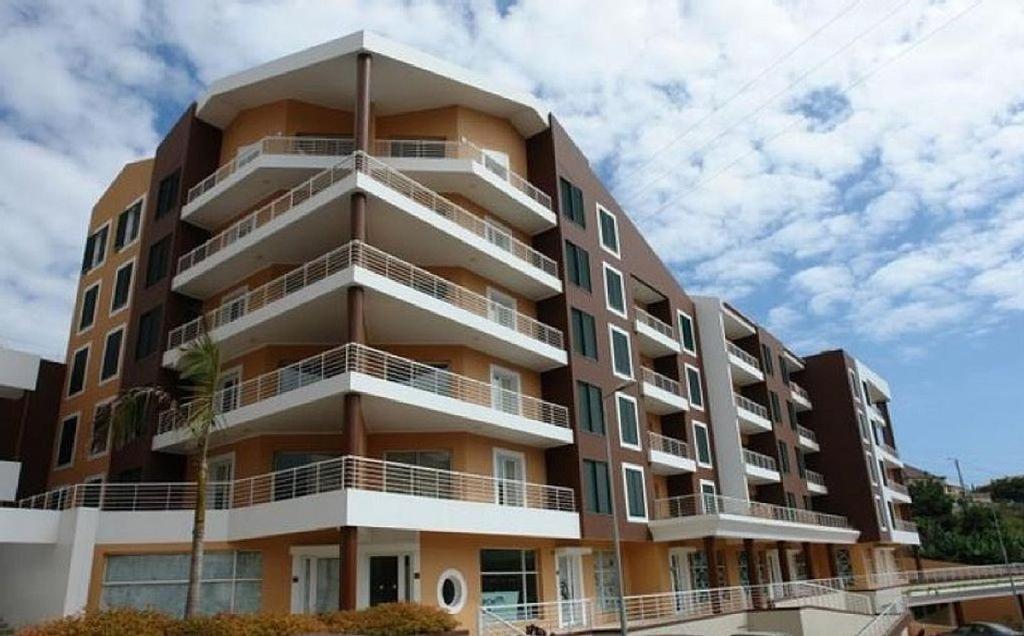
(616, 538)
(1006, 561)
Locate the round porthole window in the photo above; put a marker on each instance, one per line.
(451, 591)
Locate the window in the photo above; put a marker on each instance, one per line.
(149, 333)
(79, 362)
(66, 443)
(776, 410)
(232, 582)
(629, 427)
(572, 203)
(801, 464)
(808, 502)
(589, 407)
(596, 487)
(636, 492)
(167, 193)
(609, 229)
(584, 334)
(156, 266)
(622, 355)
(791, 409)
(873, 468)
(508, 577)
(790, 500)
(766, 359)
(686, 333)
(100, 440)
(95, 248)
(122, 286)
(882, 473)
(88, 313)
(783, 457)
(853, 385)
(709, 497)
(606, 580)
(128, 226)
(881, 513)
(863, 422)
(702, 442)
(694, 386)
(451, 591)
(783, 368)
(577, 265)
(112, 354)
(614, 292)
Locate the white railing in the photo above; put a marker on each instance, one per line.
(938, 576)
(760, 460)
(667, 444)
(342, 473)
(356, 358)
(885, 446)
(742, 355)
(806, 433)
(887, 619)
(814, 477)
(654, 323)
(320, 146)
(663, 382)
(706, 504)
(898, 487)
(799, 390)
(381, 172)
(465, 149)
(357, 253)
(747, 404)
(902, 525)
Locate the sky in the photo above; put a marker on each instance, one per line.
(848, 172)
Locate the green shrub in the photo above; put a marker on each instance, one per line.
(391, 619)
(247, 625)
(113, 622)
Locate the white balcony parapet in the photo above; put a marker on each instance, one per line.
(742, 355)
(465, 149)
(898, 488)
(357, 358)
(815, 481)
(806, 433)
(349, 472)
(753, 458)
(381, 172)
(662, 382)
(696, 505)
(747, 404)
(902, 525)
(357, 253)
(799, 390)
(655, 323)
(668, 455)
(670, 445)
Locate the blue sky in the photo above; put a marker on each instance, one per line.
(850, 173)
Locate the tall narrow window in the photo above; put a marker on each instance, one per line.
(791, 409)
(128, 226)
(95, 248)
(614, 290)
(622, 355)
(589, 407)
(783, 457)
(702, 442)
(766, 359)
(100, 430)
(78, 367)
(686, 333)
(577, 265)
(609, 228)
(112, 355)
(801, 464)
(584, 334)
(149, 333)
(572, 203)
(636, 492)
(167, 193)
(776, 409)
(596, 487)
(122, 286)
(696, 390)
(88, 313)
(156, 266)
(629, 425)
(66, 443)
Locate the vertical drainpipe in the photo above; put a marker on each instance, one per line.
(354, 435)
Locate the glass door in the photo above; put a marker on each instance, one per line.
(501, 308)
(390, 578)
(679, 571)
(220, 473)
(319, 584)
(570, 590)
(505, 390)
(227, 385)
(509, 474)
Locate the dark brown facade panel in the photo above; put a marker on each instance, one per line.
(28, 426)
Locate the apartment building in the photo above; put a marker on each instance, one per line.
(453, 371)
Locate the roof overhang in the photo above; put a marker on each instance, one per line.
(18, 373)
(728, 526)
(403, 79)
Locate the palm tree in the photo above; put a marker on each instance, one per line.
(199, 368)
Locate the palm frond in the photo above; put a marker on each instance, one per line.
(199, 368)
(130, 411)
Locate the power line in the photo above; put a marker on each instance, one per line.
(701, 182)
(660, 174)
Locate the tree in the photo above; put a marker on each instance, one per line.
(1006, 489)
(199, 368)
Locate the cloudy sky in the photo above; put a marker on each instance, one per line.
(849, 172)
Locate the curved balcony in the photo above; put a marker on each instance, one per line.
(668, 455)
(404, 303)
(662, 394)
(656, 338)
(405, 218)
(399, 395)
(761, 469)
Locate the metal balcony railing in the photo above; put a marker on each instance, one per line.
(743, 355)
(706, 504)
(814, 477)
(321, 146)
(356, 358)
(663, 382)
(799, 390)
(903, 525)
(806, 433)
(747, 404)
(759, 460)
(464, 149)
(384, 174)
(897, 487)
(654, 323)
(669, 445)
(357, 253)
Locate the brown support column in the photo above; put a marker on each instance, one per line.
(917, 558)
(711, 553)
(812, 572)
(833, 572)
(784, 562)
(348, 543)
(958, 613)
(753, 574)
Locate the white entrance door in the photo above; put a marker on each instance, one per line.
(510, 476)
(220, 473)
(570, 590)
(505, 390)
(317, 578)
(679, 571)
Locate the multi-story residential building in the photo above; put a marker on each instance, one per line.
(453, 371)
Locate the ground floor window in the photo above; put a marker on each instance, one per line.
(606, 580)
(844, 565)
(508, 577)
(232, 582)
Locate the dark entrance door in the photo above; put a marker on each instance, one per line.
(383, 579)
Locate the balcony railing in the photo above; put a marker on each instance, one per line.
(660, 381)
(799, 390)
(902, 525)
(897, 487)
(655, 323)
(706, 504)
(814, 477)
(888, 448)
(806, 433)
(356, 358)
(321, 146)
(350, 472)
(465, 149)
(742, 355)
(747, 404)
(669, 445)
(753, 458)
(357, 253)
(381, 172)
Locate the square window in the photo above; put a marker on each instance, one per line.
(686, 335)
(622, 354)
(122, 287)
(66, 443)
(636, 492)
(76, 381)
(696, 390)
(88, 312)
(112, 355)
(629, 425)
(577, 265)
(589, 407)
(702, 442)
(614, 291)
(584, 334)
(608, 226)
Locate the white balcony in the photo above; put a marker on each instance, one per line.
(889, 455)
(662, 394)
(465, 168)
(745, 368)
(807, 439)
(815, 482)
(399, 395)
(876, 414)
(905, 532)
(697, 516)
(669, 456)
(801, 399)
(655, 337)
(753, 418)
(351, 490)
(735, 325)
(761, 469)
(257, 171)
(898, 492)
(404, 304)
(403, 217)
